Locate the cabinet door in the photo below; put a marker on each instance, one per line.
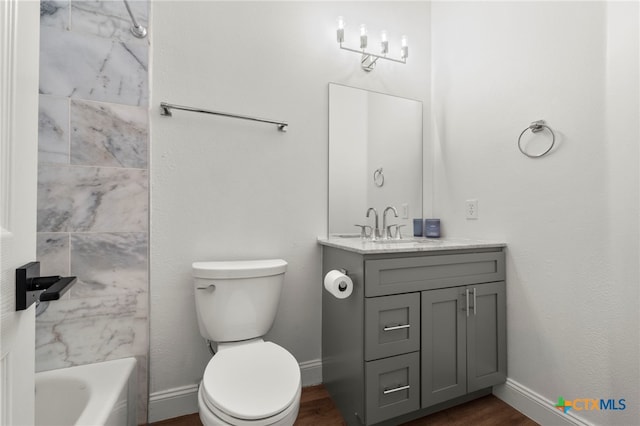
(444, 352)
(486, 336)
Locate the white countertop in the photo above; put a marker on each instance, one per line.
(408, 245)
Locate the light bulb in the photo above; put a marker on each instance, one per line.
(384, 43)
(363, 36)
(404, 50)
(340, 30)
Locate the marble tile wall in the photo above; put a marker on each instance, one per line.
(93, 185)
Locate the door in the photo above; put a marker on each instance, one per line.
(444, 353)
(19, 41)
(487, 336)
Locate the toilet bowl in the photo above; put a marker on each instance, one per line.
(248, 381)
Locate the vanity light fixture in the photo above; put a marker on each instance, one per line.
(369, 60)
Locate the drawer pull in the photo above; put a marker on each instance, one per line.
(398, 389)
(474, 301)
(396, 327)
(467, 293)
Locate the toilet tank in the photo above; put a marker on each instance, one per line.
(237, 300)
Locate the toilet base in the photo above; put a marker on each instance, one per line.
(285, 418)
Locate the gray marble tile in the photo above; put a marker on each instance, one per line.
(143, 389)
(55, 14)
(108, 19)
(53, 130)
(109, 264)
(108, 134)
(52, 250)
(88, 67)
(83, 331)
(92, 199)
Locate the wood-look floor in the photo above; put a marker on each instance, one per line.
(317, 409)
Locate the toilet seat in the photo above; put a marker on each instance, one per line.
(251, 382)
(211, 416)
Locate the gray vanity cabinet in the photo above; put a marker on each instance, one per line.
(421, 331)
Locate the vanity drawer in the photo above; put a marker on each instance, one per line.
(408, 274)
(392, 325)
(392, 387)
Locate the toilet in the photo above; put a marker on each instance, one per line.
(248, 381)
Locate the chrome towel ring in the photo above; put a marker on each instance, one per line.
(535, 127)
(378, 178)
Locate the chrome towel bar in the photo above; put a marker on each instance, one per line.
(165, 109)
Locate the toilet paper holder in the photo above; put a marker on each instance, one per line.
(338, 287)
(342, 286)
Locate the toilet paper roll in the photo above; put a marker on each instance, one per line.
(338, 284)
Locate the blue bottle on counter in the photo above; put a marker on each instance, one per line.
(417, 227)
(432, 228)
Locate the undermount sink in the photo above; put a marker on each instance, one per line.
(406, 241)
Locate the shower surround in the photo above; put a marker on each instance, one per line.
(93, 185)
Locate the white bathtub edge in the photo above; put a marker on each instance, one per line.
(120, 371)
(102, 379)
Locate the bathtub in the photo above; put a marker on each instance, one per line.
(88, 395)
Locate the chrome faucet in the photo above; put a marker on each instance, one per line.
(376, 231)
(385, 231)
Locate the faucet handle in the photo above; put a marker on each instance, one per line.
(363, 231)
(389, 233)
(399, 232)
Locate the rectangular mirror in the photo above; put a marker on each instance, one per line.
(375, 159)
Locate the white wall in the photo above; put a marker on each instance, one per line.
(571, 218)
(229, 189)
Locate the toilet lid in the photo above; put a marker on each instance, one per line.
(252, 381)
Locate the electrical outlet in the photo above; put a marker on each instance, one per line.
(471, 209)
(405, 211)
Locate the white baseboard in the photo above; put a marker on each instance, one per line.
(535, 406)
(171, 403)
(183, 400)
(311, 372)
